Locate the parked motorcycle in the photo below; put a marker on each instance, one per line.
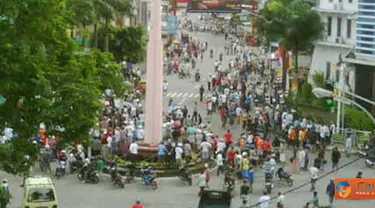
(148, 177)
(370, 162)
(362, 150)
(186, 175)
(75, 163)
(60, 169)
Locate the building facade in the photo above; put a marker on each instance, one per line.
(339, 17)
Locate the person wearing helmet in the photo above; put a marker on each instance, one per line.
(137, 204)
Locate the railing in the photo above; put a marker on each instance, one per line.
(357, 136)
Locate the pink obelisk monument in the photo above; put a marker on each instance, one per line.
(154, 86)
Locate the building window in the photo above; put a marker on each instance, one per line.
(338, 75)
(350, 1)
(329, 26)
(339, 26)
(328, 69)
(349, 28)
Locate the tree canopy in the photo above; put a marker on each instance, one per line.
(292, 23)
(126, 44)
(45, 79)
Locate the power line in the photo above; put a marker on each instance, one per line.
(307, 183)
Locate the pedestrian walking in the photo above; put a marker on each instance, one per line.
(280, 200)
(313, 176)
(219, 163)
(202, 183)
(330, 190)
(336, 156)
(315, 200)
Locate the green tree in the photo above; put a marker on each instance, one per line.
(108, 9)
(357, 119)
(128, 43)
(46, 79)
(306, 91)
(82, 14)
(292, 23)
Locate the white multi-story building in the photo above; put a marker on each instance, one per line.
(339, 17)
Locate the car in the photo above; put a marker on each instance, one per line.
(39, 191)
(215, 198)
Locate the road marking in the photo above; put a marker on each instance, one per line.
(169, 94)
(173, 94)
(196, 95)
(182, 101)
(196, 86)
(186, 95)
(179, 94)
(191, 95)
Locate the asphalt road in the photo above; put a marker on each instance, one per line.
(174, 193)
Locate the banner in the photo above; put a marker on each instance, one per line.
(214, 6)
(354, 188)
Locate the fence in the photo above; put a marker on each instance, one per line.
(357, 136)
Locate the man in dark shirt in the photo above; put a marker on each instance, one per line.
(244, 191)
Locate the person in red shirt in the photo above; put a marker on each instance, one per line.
(231, 155)
(137, 204)
(214, 145)
(228, 138)
(266, 146)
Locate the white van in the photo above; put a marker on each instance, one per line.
(39, 192)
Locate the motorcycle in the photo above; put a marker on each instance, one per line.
(370, 162)
(197, 76)
(92, 176)
(75, 164)
(362, 150)
(148, 178)
(116, 177)
(186, 175)
(229, 182)
(268, 185)
(287, 178)
(60, 169)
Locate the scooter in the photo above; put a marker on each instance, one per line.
(362, 150)
(148, 178)
(60, 169)
(268, 185)
(186, 175)
(92, 176)
(370, 162)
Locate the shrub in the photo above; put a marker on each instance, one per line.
(306, 91)
(318, 79)
(357, 119)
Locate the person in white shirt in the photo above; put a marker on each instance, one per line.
(220, 145)
(178, 154)
(205, 148)
(264, 201)
(223, 99)
(226, 91)
(313, 176)
(133, 148)
(165, 87)
(280, 200)
(220, 163)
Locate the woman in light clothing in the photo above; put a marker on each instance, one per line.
(202, 183)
